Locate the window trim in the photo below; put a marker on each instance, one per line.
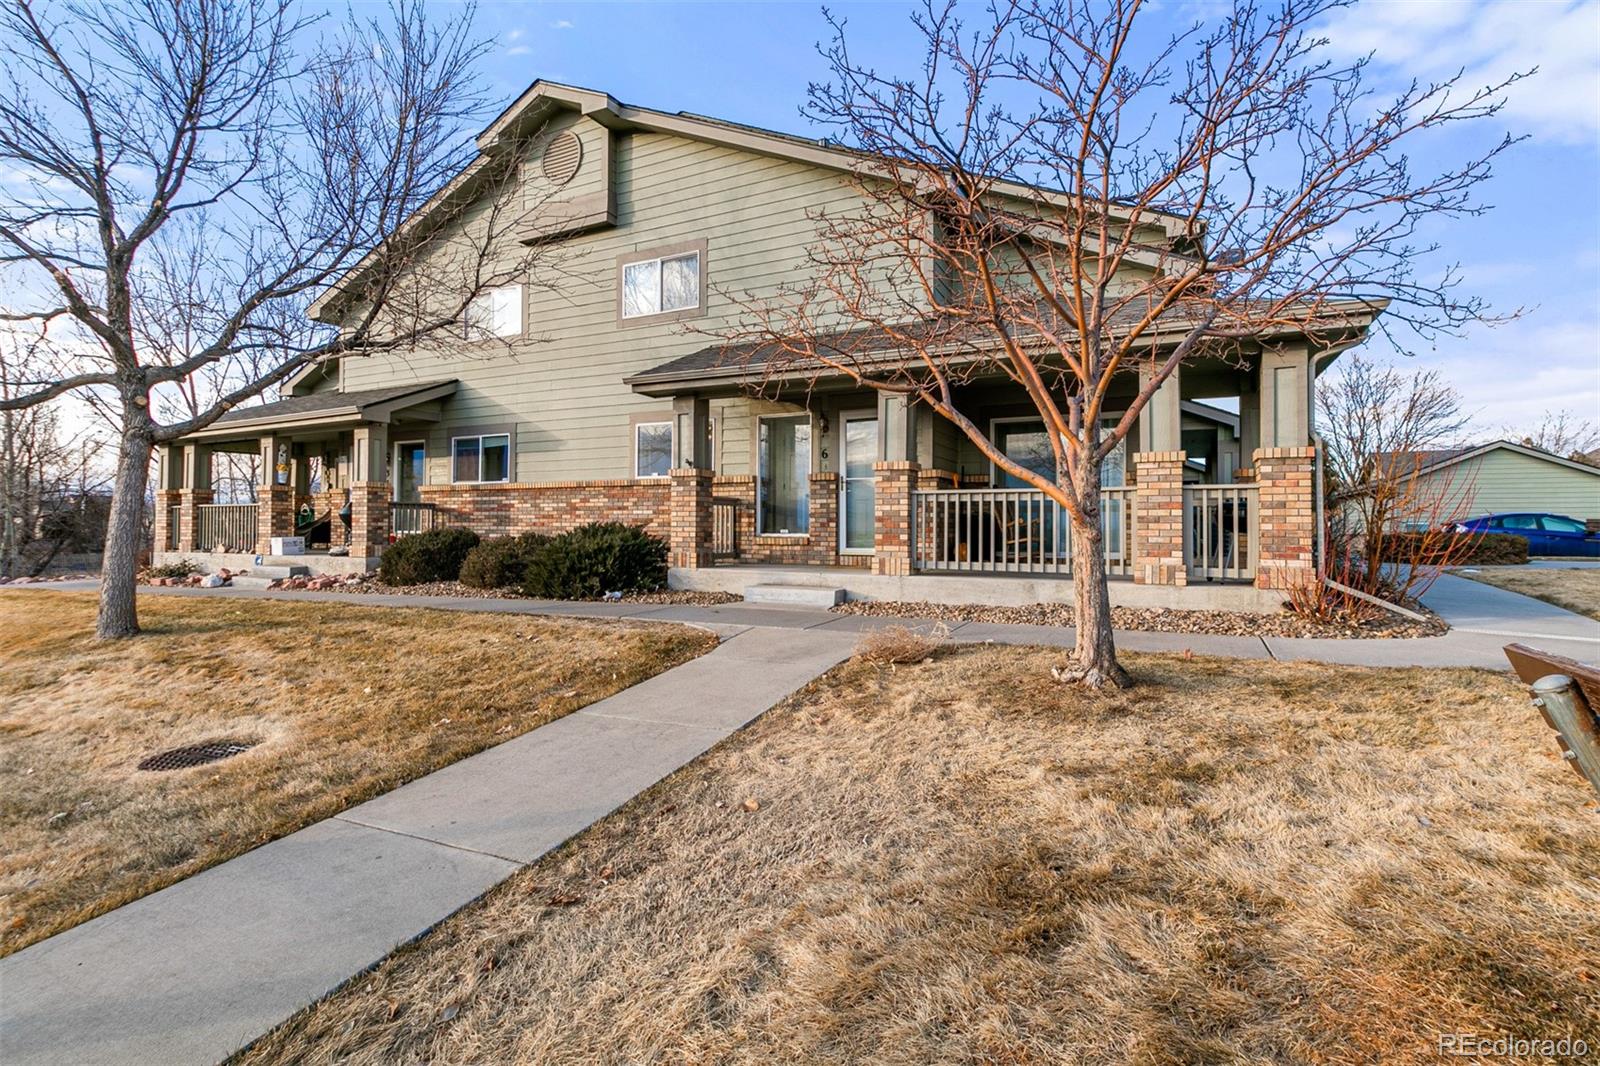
(511, 455)
(639, 422)
(811, 425)
(655, 254)
(394, 463)
(491, 334)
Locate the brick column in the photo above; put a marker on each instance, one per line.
(689, 518)
(892, 517)
(740, 487)
(1158, 519)
(166, 500)
(274, 515)
(824, 518)
(189, 502)
(369, 519)
(1287, 517)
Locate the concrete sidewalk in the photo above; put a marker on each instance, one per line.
(194, 972)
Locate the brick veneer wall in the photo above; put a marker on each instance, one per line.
(369, 519)
(892, 515)
(818, 546)
(1158, 532)
(1287, 517)
(551, 506)
(274, 515)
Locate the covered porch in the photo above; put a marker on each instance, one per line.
(334, 474)
(1214, 486)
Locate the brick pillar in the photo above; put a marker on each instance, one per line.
(1287, 517)
(824, 518)
(369, 519)
(166, 500)
(740, 487)
(1158, 519)
(689, 518)
(892, 517)
(274, 515)
(189, 502)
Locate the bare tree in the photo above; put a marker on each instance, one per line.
(184, 176)
(1562, 433)
(1066, 193)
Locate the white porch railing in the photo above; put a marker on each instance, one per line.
(1221, 532)
(406, 517)
(1011, 531)
(724, 528)
(226, 527)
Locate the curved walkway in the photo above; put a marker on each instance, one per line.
(193, 972)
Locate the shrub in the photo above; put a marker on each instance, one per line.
(181, 568)
(898, 645)
(1461, 549)
(592, 560)
(501, 562)
(422, 557)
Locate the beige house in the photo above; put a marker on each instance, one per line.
(1502, 477)
(607, 398)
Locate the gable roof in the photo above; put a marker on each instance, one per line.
(365, 405)
(1428, 462)
(542, 99)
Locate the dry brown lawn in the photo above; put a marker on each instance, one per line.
(343, 702)
(1577, 589)
(959, 862)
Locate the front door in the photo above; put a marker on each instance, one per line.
(410, 470)
(857, 528)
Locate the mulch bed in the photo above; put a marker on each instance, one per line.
(1155, 619)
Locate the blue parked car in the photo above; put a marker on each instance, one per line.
(1548, 534)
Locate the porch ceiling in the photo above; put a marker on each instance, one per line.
(324, 409)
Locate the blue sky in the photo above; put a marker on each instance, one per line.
(1539, 248)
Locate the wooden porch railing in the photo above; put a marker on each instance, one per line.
(174, 515)
(1221, 532)
(406, 518)
(724, 528)
(1012, 531)
(226, 527)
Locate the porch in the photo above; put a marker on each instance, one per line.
(315, 468)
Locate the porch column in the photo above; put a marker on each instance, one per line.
(1161, 421)
(195, 492)
(897, 429)
(1158, 519)
(1284, 399)
(369, 519)
(275, 494)
(823, 521)
(369, 491)
(691, 432)
(689, 519)
(1287, 517)
(169, 494)
(891, 544)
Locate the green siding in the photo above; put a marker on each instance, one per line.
(1505, 481)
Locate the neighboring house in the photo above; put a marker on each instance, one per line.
(1506, 478)
(612, 400)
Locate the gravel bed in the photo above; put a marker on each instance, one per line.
(1154, 619)
(457, 589)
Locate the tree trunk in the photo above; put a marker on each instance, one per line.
(1095, 653)
(124, 534)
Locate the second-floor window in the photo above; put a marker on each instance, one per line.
(495, 312)
(657, 286)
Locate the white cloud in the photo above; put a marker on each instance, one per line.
(1490, 40)
(561, 24)
(519, 50)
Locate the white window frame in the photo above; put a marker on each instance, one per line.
(661, 308)
(495, 301)
(672, 445)
(394, 464)
(810, 469)
(480, 438)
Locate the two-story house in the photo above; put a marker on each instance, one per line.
(609, 398)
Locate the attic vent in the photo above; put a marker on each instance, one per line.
(561, 157)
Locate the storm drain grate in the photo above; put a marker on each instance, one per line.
(196, 755)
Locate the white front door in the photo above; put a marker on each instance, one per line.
(857, 488)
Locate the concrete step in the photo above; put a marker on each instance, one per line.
(794, 595)
(252, 581)
(268, 570)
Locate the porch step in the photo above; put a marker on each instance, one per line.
(794, 595)
(252, 581)
(273, 573)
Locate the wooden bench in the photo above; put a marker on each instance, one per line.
(1567, 693)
